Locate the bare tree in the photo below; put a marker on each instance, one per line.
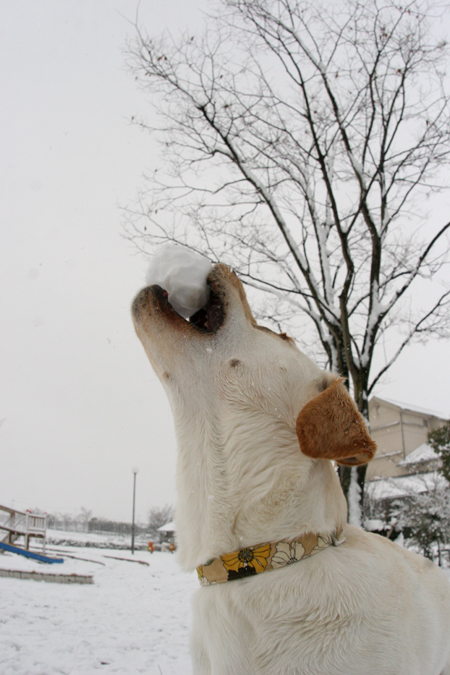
(84, 518)
(300, 143)
(159, 516)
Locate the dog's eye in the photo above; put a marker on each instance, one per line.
(234, 363)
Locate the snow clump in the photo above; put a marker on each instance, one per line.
(182, 273)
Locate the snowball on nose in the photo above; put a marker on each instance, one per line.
(182, 273)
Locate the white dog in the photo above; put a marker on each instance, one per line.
(257, 425)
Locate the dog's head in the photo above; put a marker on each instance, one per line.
(222, 361)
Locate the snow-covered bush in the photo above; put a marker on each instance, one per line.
(422, 517)
(440, 442)
(425, 521)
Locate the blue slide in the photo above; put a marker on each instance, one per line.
(29, 554)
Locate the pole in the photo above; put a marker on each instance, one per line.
(134, 509)
(403, 434)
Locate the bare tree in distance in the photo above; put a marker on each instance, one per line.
(301, 141)
(159, 516)
(84, 517)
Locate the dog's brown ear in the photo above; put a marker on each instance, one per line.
(330, 427)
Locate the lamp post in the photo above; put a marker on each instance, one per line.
(135, 471)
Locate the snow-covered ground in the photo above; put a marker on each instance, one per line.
(134, 618)
(100, 539)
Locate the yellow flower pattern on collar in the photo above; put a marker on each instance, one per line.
(265, 557)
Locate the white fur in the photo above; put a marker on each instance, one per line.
(367, 607)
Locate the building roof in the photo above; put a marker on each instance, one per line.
(411, 408)
(424, 453)
(168, 527)
(404, 486)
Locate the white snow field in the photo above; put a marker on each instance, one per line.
(182, 273)
(132, 619)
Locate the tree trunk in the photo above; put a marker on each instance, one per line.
(359, 473)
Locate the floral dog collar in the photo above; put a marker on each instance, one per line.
(264, 557)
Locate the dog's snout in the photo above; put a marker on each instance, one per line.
(140, 304)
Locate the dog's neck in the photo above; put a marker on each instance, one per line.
(237, 488)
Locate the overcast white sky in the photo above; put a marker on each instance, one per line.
(79, 403)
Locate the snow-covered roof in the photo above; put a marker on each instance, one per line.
(403, 486)
(424, 453)
(168, 527)
(412, 408)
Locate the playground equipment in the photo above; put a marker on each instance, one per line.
(29, 554)
(22, 524)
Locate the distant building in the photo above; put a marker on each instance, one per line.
(400, 432)
(167, 532)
